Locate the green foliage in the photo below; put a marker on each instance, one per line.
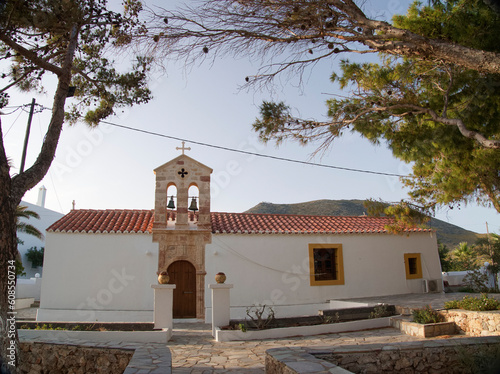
(35, 256)
(36, 38)
(452, 304)
(455, 21)
(446, 264)
(24, 227)
(426, 315)
(489, 249)
(242, 327)
(405, 214)
(464, 257)
(481, 303)
(20, 269)
(448, 234)
(477, 281)
(440, 117)
(330, 319)
(484, 360)
(380, 311)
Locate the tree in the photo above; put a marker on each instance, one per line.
(441, 117)
(434, 98)
(302, 32)
(444, 257)
(464, 257)
(25, 227)
(67, 40)
(489, 248)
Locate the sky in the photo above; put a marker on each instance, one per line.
(112, 168)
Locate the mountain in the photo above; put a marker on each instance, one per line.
(448, 234)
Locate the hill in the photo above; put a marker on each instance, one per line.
(448, 234)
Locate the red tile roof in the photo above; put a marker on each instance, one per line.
(105, 221)
(297, 224)
(141, 221)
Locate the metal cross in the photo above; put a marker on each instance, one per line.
(183, 148)
(182, 173)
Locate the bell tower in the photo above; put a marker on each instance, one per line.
(182, 224)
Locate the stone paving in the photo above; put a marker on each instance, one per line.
(194, 350)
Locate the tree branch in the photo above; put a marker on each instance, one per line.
(27, 180)
(33, 57)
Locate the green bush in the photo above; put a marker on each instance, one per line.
(380, 311)
(452, 304)
(426, 315)
(35, 256)
(480, 303)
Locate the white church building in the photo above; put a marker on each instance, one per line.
(100, 264)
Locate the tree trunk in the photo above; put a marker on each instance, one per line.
(9, 343)
(12, 191)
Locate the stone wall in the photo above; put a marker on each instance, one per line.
(38, 358)
(474, 323)
(427, 356)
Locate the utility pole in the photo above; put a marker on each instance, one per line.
(26, 137)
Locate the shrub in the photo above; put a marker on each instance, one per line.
(480, 303)
(485, 360)
(35, 256)
(452, 304)
(260, 321)
(380, 311)
(477, 281)
(427, 315)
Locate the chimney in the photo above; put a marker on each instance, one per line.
(41, 197)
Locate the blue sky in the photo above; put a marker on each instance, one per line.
(109, 167)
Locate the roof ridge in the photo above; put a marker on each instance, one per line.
(300, 215)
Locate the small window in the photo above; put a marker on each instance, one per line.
(413, 266)
(326, 264)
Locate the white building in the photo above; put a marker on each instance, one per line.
(47, 218)
(100, 265)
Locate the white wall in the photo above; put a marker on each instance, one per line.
(47, 218)
(273, 269)
(89, 272)
(29, 288)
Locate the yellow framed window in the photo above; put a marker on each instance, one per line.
(413, 266)
(326, 264)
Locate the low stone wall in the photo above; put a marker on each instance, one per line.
(427, 356)
(474, 323)
(421, 330)
(87, 357)
(54, 358)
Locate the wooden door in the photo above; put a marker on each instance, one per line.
(183, 275)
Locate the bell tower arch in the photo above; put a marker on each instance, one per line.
(182, 224)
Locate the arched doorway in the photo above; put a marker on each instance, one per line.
(183, 275)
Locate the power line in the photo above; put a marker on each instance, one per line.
(245, 152)
(253, 153)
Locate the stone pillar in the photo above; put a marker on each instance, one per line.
(220, 305)
(163, 302)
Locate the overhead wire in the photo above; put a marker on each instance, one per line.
(278, 158)
(253, 153)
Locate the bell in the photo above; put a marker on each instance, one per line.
(193, 206)
(171, 204)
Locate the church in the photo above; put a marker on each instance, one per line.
(100, 265)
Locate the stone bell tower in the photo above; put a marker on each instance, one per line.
(183, 233)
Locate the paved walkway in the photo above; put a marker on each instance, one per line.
(195, 351)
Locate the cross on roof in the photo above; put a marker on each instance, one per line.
(183, 148)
